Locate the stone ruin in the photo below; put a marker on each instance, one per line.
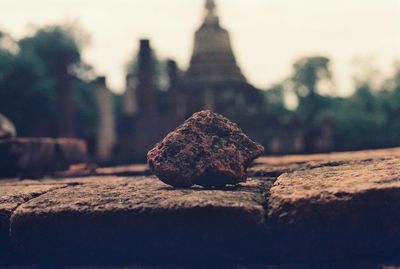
(336, 210)
(213, 81)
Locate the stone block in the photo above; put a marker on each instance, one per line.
(337, 212)
(142, 219)
(12, 196)
(36, 157)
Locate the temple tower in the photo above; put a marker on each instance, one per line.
(106, 135)
(146, 93)
(213, 58)
(130, 106)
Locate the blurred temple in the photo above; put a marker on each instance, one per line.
(48, 90)
(213, 81)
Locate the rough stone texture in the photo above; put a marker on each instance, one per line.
(126, 170)
(328, 214)
(35, 157)
(122, 219)
(207, 150)
(85, 170)
(76, 170)
(336, 212)
(11, 196)
(7, 128)
(275, 166)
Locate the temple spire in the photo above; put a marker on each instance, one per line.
(210, 6)
(211, 15)
(213, 58)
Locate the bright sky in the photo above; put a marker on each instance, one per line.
(267, 35)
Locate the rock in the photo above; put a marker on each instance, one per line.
(7, 128)
(337, 212)
(36, 157)
(207, 150)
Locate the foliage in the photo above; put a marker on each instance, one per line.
(308, 72)
(366, 119)
(28, 80)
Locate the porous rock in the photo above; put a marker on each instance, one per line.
(206, 150)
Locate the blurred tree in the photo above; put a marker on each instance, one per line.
(59, 48)
(390, 98)
(49, 42)
(368, 118)
(28, 81)
(275, 103)
(359, 120)
(309, 72)
(23, 85)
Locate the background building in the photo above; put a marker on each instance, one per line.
(213, 81)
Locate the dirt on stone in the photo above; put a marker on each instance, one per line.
(206, 150)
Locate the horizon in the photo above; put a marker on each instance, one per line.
(267, 36)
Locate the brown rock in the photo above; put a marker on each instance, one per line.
(333, 212)
(207, 150)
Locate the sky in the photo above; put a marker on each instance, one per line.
(267, 35)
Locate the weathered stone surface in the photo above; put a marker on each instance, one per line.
(333, 214)
(85, 170)
(35, 157)
(76, 171)
(336, 212)
(125, 170)
(11, 196)
(207, 150)
(130, 219)
(7, 128)
(275, 166)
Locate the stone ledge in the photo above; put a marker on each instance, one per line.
(12, 196)
(337, 212)
(84, 170)
(275, 166)
(128, 219)
(323, 211)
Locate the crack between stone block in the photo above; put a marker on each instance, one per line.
(35, 196)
